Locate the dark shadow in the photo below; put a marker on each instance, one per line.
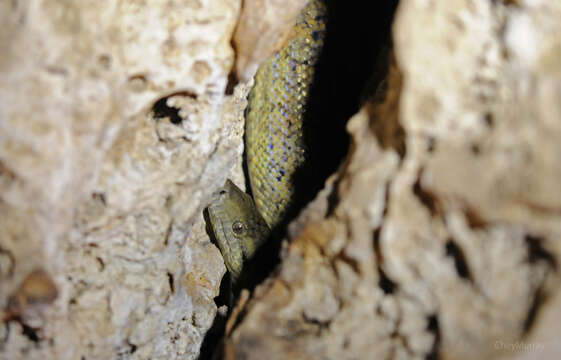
(213, 337)
(351, 67)
(434, 327)
(460, 262)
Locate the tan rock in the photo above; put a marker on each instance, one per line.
(114, 131)
(438, 236)
(444, 244)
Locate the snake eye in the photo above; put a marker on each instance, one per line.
(238, 227)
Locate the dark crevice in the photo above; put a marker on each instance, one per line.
(376, 244)
(475, 149)
(161, 109)
(489, 120)
(171, 282)
(125, 352)
(538, 301)
(353, 60)
(387, 285)
(353, 263)
(431, 144)
(454, 251)
(101, 263)
(133, 348)
(536, 251)
(232, 80)
(212, 343)
(434, 327)
(384, 119)
(168, 233)
(99, 197)
(386, 200)
(474, 219)
(31, 333)
(428, 199)
(377, 231)
(333, 198)
(321, 325)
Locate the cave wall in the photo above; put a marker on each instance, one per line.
(436, 238)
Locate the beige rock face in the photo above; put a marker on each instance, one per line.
(450, 250)
(437, 238)
(114, 131)
(263, 28)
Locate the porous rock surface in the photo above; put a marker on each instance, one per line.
(439, 235)
(114, 131)
(437, 238)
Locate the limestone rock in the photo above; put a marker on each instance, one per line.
(437, 237)
(263, 28)
(442, 240)
(114, 131)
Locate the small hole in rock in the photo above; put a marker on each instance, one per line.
(387, 285)
(101, 263)
(104, 61)
(489, 119)
(475, 149)
(431, 144)
(453, 250)
(537, 252)
(538, 301)
(162, 110)
(100, 197)
(171, 282)
(433, 327)
(30, 333)
(425, 197)
(475, 219)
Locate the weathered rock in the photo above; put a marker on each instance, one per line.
(443, 240)
(114, 131)
(438, 236)
(263, 28)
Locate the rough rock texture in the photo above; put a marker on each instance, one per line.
(439, 236)
(114, 131)
(263, 28)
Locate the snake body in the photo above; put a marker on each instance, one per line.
(275, 144)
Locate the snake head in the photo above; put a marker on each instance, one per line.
(236, 224)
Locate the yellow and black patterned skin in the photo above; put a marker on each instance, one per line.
(275, 146)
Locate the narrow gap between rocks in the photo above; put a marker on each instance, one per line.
(353, 64)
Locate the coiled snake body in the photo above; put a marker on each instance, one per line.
(275, 148)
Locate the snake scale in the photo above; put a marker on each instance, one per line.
(275, 145)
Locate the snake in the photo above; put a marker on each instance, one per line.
(275, 146)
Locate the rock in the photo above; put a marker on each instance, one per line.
(442, 241)
(115, 130)
(437, 237)
(263, 28)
